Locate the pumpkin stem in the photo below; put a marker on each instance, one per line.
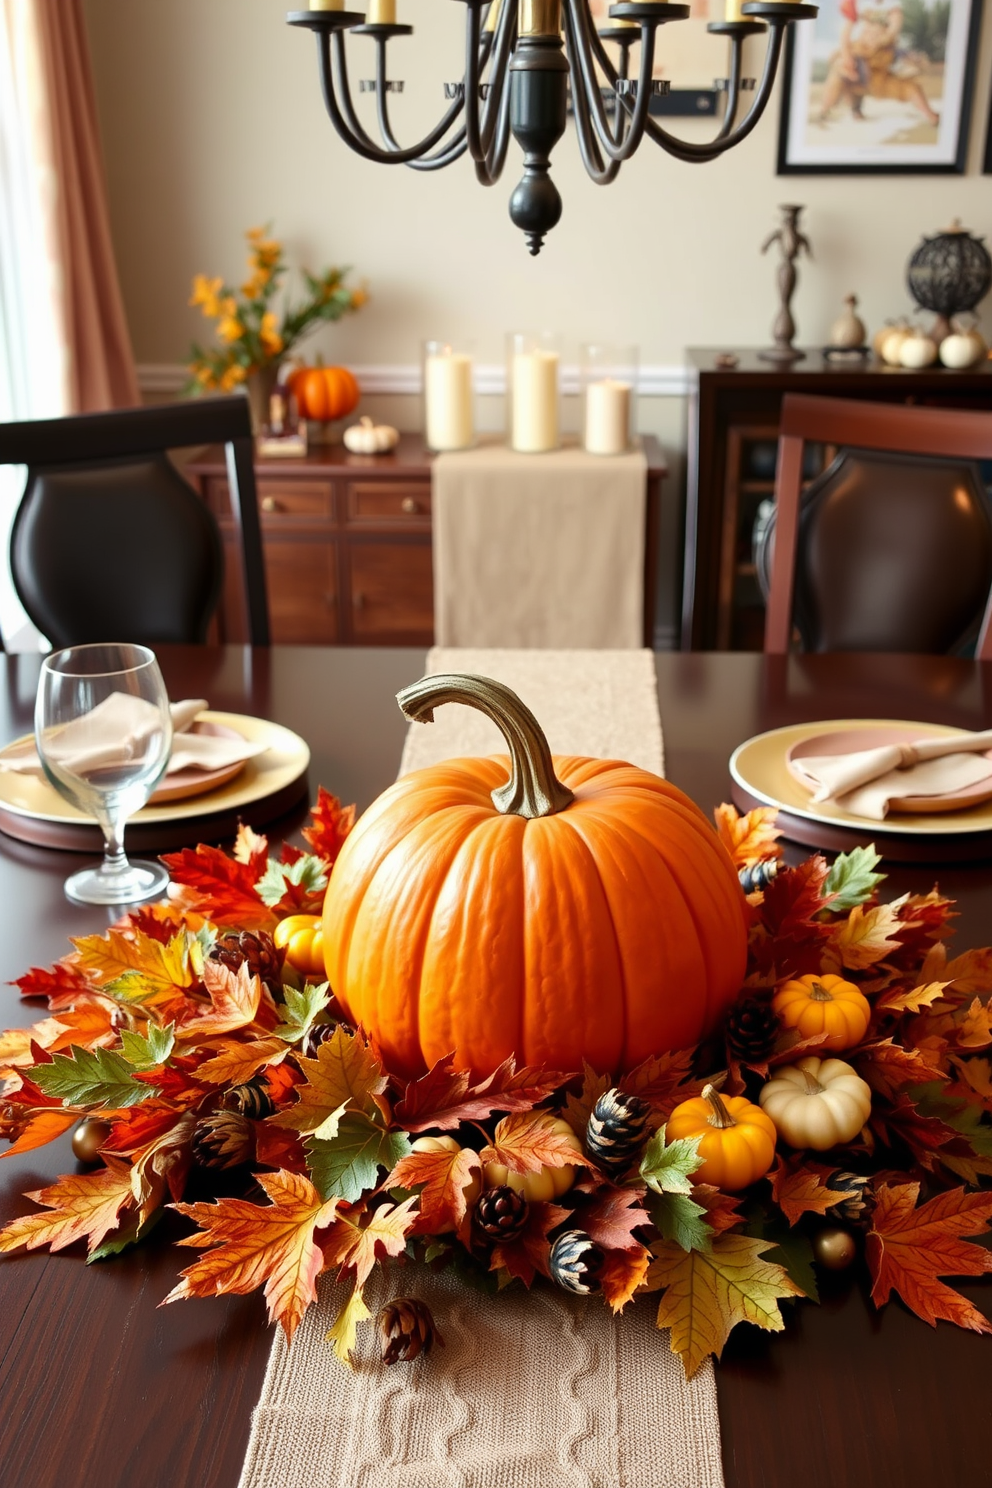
(813, 1086)
(533, 788)
(819, 993)
(721, 1117)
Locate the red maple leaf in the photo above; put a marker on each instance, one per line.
(331, 824)
(446, 1178)
(923, 1135)
(529, 1141)
(275, 1147)
(529, 1253)
(889, 1068)
(800, 1187)
(223, 889)
(909, 1248)
(663, 1080)
(60, 986)
(445, 1097)
(613, 1216)
(721, 1208)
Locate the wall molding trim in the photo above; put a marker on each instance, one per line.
(405, 379)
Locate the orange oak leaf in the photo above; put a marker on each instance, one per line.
(235, 998)
(221, 888)
(528, 1254)
(331, 824)
(42, 1127)
(80, 1206)
(974, 1031)
(444, 1097)
(613, 1216)
(356, 1247)
(721, 1208)
(802, 1187)
(235, 1062)
(908, 1248)
(446, 1177)
(345, 1073)
(971, 972)
(275, 1148)
(888, 1067)
(139, 1125)
(751, 838)
(663, 1080)
(578, 1108)
(528, 1142)
(913, 1001)
(253, 1245)
(623, 1272)
(866, 936)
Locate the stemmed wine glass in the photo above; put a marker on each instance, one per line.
(104, 731)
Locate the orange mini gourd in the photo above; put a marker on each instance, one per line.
(301, 938)
(824, 1004)
(593, 916)
(324, 393)
(736, 1138)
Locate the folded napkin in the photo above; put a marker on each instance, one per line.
(113, 731)
(870, 782)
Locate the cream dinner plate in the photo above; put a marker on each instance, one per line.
(760, 766)
(285, 759)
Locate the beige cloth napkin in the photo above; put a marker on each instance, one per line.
(871, 782)
(539, 550)
(113, 731)
(532, 1389)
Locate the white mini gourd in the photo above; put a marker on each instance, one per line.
(817, 1103)
(962, 349)
(917, 350)
(368, 438)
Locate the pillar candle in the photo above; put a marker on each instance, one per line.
(381, 13)
(535, 401)
(733, 11)
(448, 400)
(607, 417)
(327, 4)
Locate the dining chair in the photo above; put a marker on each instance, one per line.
(110, 542)
(890, 548)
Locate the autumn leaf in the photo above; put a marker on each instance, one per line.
(97, 1077)
(278, 1149)
(60, 987)
(923, 1135)
(909, 1248)
(347, 1162)
(135, 968)
(331, 823)
(299, 1009)
(912, 1001)
(345, 1073)
(344, 1331)
(162, 1162)
(446, 1177)
(707, 1292)
(794, 898)
(144, 1050)
(251, 848)
(666, 1166)
(800, 1187)
(41, 1128)
(721, 1209)
(751, 838)
(294, 888)
(974, 1029)
(235, 998)
(678, 1217)
(445, 1097)
(663, 1081)
(866, 936)
(889, 1068)
(578, 1108)
(253, 1245)
(852, 879)
(528, 1142)
(221, 888)
(236, 1062)
(529, 1252)
(83, 1206)
(613, 1216)
(356, 1247)
(971, 972)
(622, 1274)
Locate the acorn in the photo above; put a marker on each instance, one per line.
(575, 1262)
(616, 1130)
(405, 1328)
(501, 1213)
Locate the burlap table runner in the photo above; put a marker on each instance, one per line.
(532, 1390)
(539, 550)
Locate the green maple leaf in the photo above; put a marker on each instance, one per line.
(348, 1166)
(300, 1009)
(851, 878)
(91, 1077)
(129, 1233)
(677, 1217)
(143, 1051)
(667, 1167)
(307, 871)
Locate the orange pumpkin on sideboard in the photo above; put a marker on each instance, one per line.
(324, 393)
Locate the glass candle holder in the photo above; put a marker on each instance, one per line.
(449, 399)
(608, 388)
(533, 385)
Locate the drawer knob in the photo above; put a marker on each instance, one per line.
(410, 505)
(270, 504)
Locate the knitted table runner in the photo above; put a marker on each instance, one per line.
(532, 1389)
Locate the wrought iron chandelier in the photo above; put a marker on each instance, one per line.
(524, 61)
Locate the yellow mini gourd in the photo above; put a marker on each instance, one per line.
(546, 1183)
(824, 1004)
(301, 936)
(736, 1138)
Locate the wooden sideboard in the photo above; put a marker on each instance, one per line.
(348, 544)
(733, 419)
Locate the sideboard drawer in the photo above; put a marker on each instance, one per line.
(296, 498)
(403, 503)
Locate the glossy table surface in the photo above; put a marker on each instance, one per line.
(100, 1389)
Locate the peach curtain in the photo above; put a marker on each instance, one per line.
(99, 362)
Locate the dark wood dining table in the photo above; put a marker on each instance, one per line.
(99, 1388)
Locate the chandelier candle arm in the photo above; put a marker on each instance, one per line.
(650, 14)
(738, 31)
(600, 172)
(363, 144)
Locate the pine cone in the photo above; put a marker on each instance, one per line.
(317, 1035)
(234, 947)
(501, 1213)
(751, 1027)
(575, 1262)
(616, 1130)
(406, 1329)
(856, 1208)
(758, 875)
(223, 1140)
(251, 1100)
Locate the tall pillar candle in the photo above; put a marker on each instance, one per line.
(534, 427)
(448, 416)
(381, 13)
(607, 417)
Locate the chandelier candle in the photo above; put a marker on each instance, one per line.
(448, 415)
(533, 391)
(381, 13)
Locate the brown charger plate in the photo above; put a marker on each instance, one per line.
(262, 789)
(761, 776)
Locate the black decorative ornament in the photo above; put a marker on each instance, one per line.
(948, 274)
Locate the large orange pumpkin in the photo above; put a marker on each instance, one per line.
(324, 393)
(596, 916)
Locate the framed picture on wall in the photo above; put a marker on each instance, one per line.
(688, 56)
(879, 88)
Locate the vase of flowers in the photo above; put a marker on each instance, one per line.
(256, 326)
